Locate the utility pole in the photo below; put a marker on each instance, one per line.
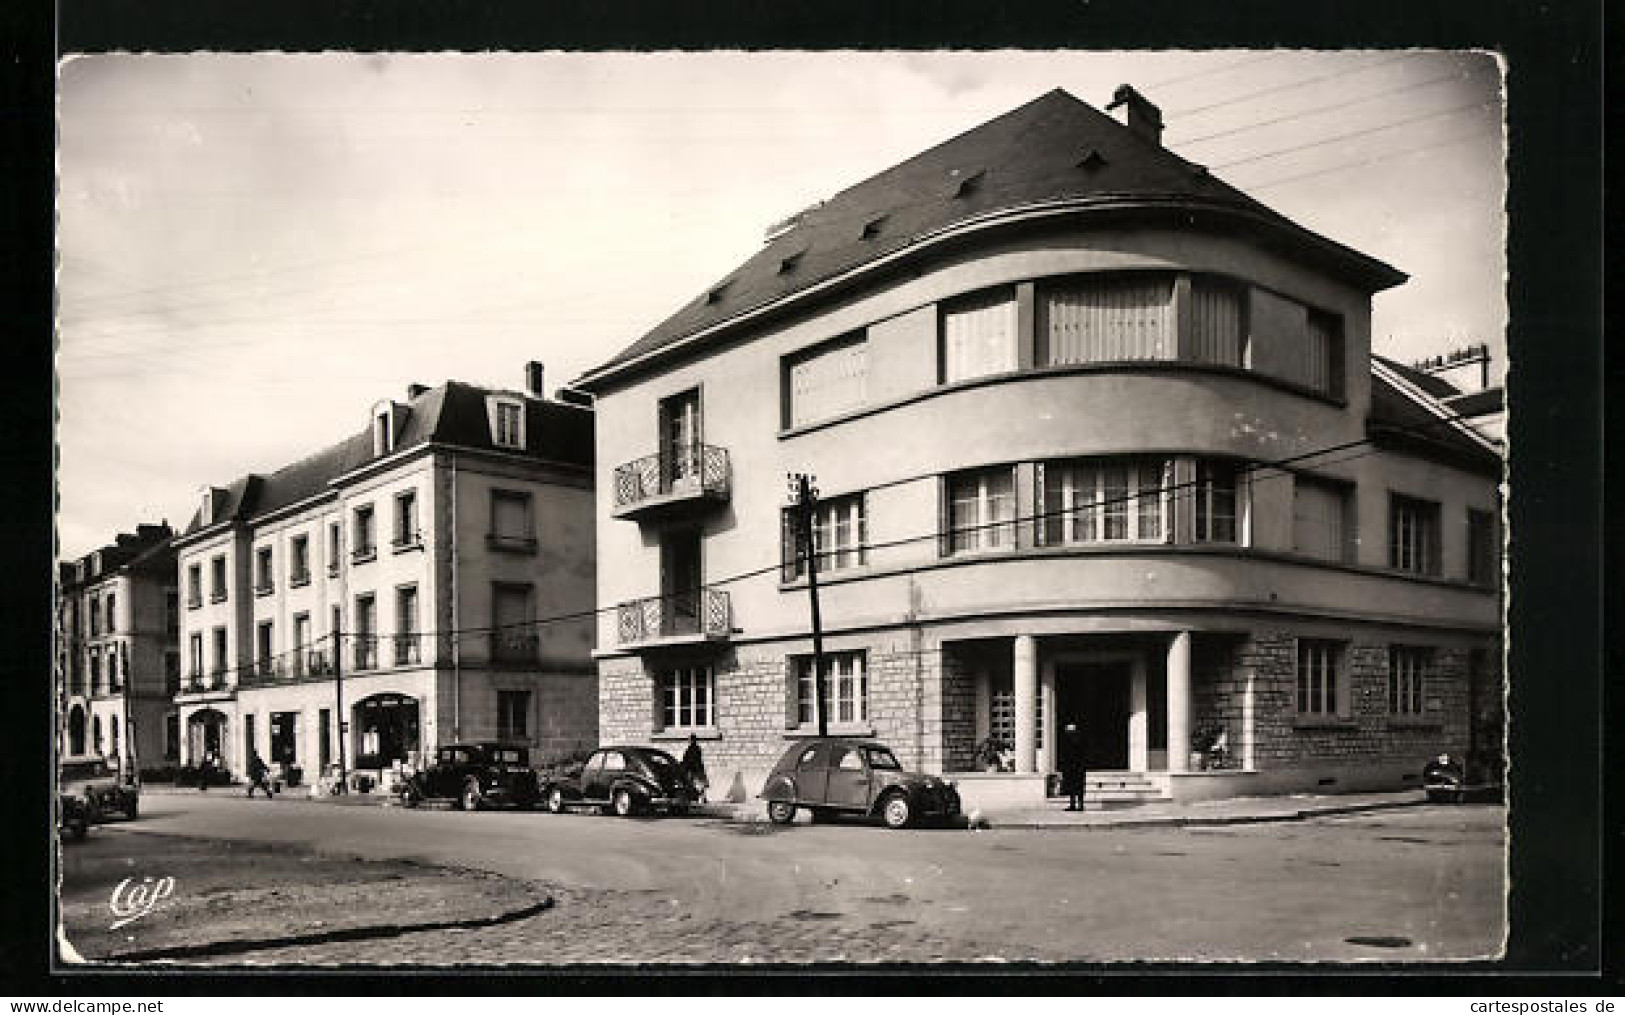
(338, 690)
(804, 495)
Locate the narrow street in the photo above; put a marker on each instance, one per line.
(1412, 883)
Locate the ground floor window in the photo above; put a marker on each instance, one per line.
(846, 688)
(513, 712)
(687, 698)
(1002, 713)
(1407, 671)
(1318, 677)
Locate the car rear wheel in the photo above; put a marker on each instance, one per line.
(472, 799)
(622, 803)
(555, 800)
(781, 812)
(895, 812)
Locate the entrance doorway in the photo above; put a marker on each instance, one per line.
(1095, 695)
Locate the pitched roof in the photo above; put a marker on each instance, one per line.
(1417, 421)
(1054, 148)
(452, 414)
(1433, 384)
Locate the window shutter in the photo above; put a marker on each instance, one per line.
(792, 690)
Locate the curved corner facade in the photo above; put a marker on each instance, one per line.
(1069, 470)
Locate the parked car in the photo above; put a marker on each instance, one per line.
(835, 775)
(72, 817)
(627, 780)
(476, 775)
(99, 786)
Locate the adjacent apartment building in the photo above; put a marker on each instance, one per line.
(382, 596)
(1098, 438)
(118, 657)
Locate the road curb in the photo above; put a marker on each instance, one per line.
(216, 949)
(1204, 821)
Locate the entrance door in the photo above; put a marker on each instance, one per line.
(1096, 697)
(680, 582)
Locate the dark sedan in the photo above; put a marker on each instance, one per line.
(838, 775)
(626, 780)
(72, 818)
(97, 784)
(477, 775)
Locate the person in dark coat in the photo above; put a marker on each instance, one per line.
(694, 767)
(205, 771)
(257, 773)
(1074, 767)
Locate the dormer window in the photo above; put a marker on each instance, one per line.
(791, 262)
(871, 228)
(507, 419)
(383, 428)
(1091, 160)
(970, 184)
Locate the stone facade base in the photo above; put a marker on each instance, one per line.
(994, 791)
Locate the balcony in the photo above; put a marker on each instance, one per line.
(366, 652)
(408, 651)
(675, 480)
(514, 648)
(362, 554)
(405, 541)
(689, 618)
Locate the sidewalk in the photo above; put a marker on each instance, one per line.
(1235, 811)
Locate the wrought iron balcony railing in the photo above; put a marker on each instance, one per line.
(366, 651)
(407, 650)
(675, 475)
(704, 614)
(515, 647)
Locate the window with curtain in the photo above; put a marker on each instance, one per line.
(1413, 534)
(829, 380)
(1319, 526)
(979, 335)
(1105, 500)
(1108, 318)
(982, 510)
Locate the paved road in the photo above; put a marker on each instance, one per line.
(1424, 882)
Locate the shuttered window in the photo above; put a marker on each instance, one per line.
(1216, 334)
(1108, 319)
(1323, 352)
(1318, 526)
(979, 336)
(829, 381)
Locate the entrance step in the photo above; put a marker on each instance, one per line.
(1113, 790)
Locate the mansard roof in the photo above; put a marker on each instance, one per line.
(1055, 150)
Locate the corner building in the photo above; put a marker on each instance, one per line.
(1097, 438)
(432, 540)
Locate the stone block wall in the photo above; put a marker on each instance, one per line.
(959, 733)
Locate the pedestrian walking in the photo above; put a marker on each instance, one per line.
(257, 773)
(693, 764)
(1074, 766)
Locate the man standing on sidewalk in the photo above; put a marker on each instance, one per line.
(1074, 766)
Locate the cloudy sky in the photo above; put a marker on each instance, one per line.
(255, 248)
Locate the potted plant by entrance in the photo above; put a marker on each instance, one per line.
(993, 756)
(1207, 746)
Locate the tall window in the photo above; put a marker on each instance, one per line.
(1216, 499)
(299, 563)
(982, 510)
(266, 650)
(1323, 352)
(513, 639)
(1319, 527)
(263, 579)
(1105, 500)
(407, 651)
(220, 661)
(1108, 319)
(829, 380)
(194, 585)
(513, 715)
(1408, 667)
(509, 429)
(1481, 548)
(1002, 717)
(382, 439)
(195, 646)
(95, 619)
(301, 642)
(1413, 534)
(95, 672)
(979, 335)
(172, 672)
(335, 545)
(363, 541)
(1318, 692)
(406, 520)
(111, 624)
(1218, 332)
(687, 698)
(511, 527)
(840, 534)
(366, 632)
(217, 579)
(846, 689)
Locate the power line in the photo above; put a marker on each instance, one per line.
(1256, 124)
(1300, 83)
(1165, 82)
(1352, 134)
(1365, 162)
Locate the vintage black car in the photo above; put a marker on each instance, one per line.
(72, 817)
(98, 785)
(839, 775)
(626, 780)
(476, 775)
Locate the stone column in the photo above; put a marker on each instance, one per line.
(1026, 688)
(1138, 720)
(1179, 702)
(1249, 718)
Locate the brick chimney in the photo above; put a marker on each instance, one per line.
(416, 391)
(533, 379)
(1140, 114)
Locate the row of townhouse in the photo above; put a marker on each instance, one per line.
(117, 665)
(384, 595)
(1098, 439)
